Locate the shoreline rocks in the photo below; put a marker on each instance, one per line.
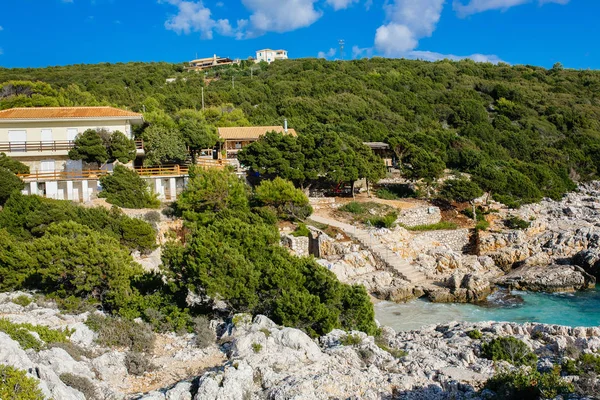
(552, 278)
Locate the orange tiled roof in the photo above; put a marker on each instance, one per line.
(251, 132)
(66, 113)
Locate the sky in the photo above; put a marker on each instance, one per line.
(37, 33)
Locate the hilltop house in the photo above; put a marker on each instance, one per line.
(235, 139)
(269, 55)
(202, 64)
(41, 137)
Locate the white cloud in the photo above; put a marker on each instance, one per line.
(193, 16)
(280, 15)
(327, 54)
(408, 21)
(433, 56)
(359, 52)
(341, 4)
(477, 6)
(1, 28)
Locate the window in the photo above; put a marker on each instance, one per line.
(17, 141)
(72, 134)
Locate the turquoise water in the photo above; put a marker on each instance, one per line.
(572, 309)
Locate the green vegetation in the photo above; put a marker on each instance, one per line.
(232, 254)
(301, 230)
(383, 345)
(100, 146)
(16, 385)
(256, 347)
(125, 188)
(80, 383)
(281, 195)
(475, 334)
(350, 340)
(433, 227)
(514, 222)
(9, 184)
(22, 300)
(528, 384)
(460, 190)
(508, 349)
(387, 221)
(395, 192)
(138, 364)
(585, 363)
(354, 207)
(119, 332)
(22, 333)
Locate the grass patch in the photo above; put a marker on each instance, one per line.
(354, 207)
(383, 345)
(387, 221)
(475, 334)
(301, 230)
(316, 224)
(256, 347)
(21, 333)
(443, 225)
(22, 300)
(266, 332)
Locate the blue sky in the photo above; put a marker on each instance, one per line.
(36, 33)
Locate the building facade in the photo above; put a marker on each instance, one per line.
(236, 138)
(202, 64)
(41, 137)
(268, 55)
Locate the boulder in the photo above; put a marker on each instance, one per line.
(551, 278)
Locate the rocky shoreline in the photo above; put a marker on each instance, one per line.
(559, 251)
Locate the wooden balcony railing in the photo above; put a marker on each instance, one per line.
(50, 146)
(166, 170)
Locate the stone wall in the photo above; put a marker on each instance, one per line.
(419, 216)
(456, 240)
(299, 245)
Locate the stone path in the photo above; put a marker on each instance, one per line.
(379, 249)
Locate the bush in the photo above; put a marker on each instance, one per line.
(118, 332)
(75, 351)
(152, 217)
(256, 347)
(290, 203)
(89, 147)
(350, 340)
(508, 349)
(443, 225)
(524, 384)
(460, 190)
(301, 230)
(388, 221)
(76, 305)
(475, 334)
(138, 364)
(482, 225)
(16, 385)
(125, 188)
(14, 166)
(514, 222)
(205, 335)
(585, 363)
(354, 207)
(22, 300)
(383, 345)
(121, 148)
(22, 333)
(81, 384)
(9, 184)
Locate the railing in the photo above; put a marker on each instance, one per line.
(167, 170)
(211, 163)
(55, 145)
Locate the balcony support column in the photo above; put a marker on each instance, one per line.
(173, 189)
(52, 190)
(69, 190)
(85, 192)
(33, 188)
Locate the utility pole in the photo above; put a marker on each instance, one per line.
(202, 98)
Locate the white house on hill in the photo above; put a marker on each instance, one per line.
(269, 55)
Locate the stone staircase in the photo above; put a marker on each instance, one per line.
(379, 250)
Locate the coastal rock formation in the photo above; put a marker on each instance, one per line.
(551, 278)
(461, 288)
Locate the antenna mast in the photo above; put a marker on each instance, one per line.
(342, 43)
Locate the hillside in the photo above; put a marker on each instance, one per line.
(523, 132)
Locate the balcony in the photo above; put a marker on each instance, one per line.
(49, 147)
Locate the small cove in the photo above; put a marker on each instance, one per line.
(570, 309)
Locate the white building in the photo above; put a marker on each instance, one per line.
(269, 55)
(41, 137)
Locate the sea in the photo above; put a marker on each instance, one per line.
(570, 309)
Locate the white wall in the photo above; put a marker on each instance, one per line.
(60, 129)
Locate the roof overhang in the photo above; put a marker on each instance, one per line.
(132, 120)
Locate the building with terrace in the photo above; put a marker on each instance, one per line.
(41, 137)
(203, 64)
(268, 55)
(236, 138)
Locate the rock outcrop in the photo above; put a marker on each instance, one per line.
(550, 278)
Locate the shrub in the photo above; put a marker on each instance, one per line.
(9, 184)
(16, 385)
(514, 222)
(256, 347)
(396, 191)
(121, 148)
(205, 335)
(76, 305)
(118, 332)
(443, 225)
(383, 345)
(14, 166)
(75, 351)
(81, 384)
(290, 203)
(460, 190)
(22, 333)
(22, 300)
(301, 230)
(508, 349)
(137, 363)
(89, 147)
(152, 217)
(125, 188)
(388, 221)
(354, 207)
(585, 363)
(475, 334)
(350, 340)
(524, 384)
(482, 225)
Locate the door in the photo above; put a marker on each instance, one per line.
(47, 139)
(18, 141)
